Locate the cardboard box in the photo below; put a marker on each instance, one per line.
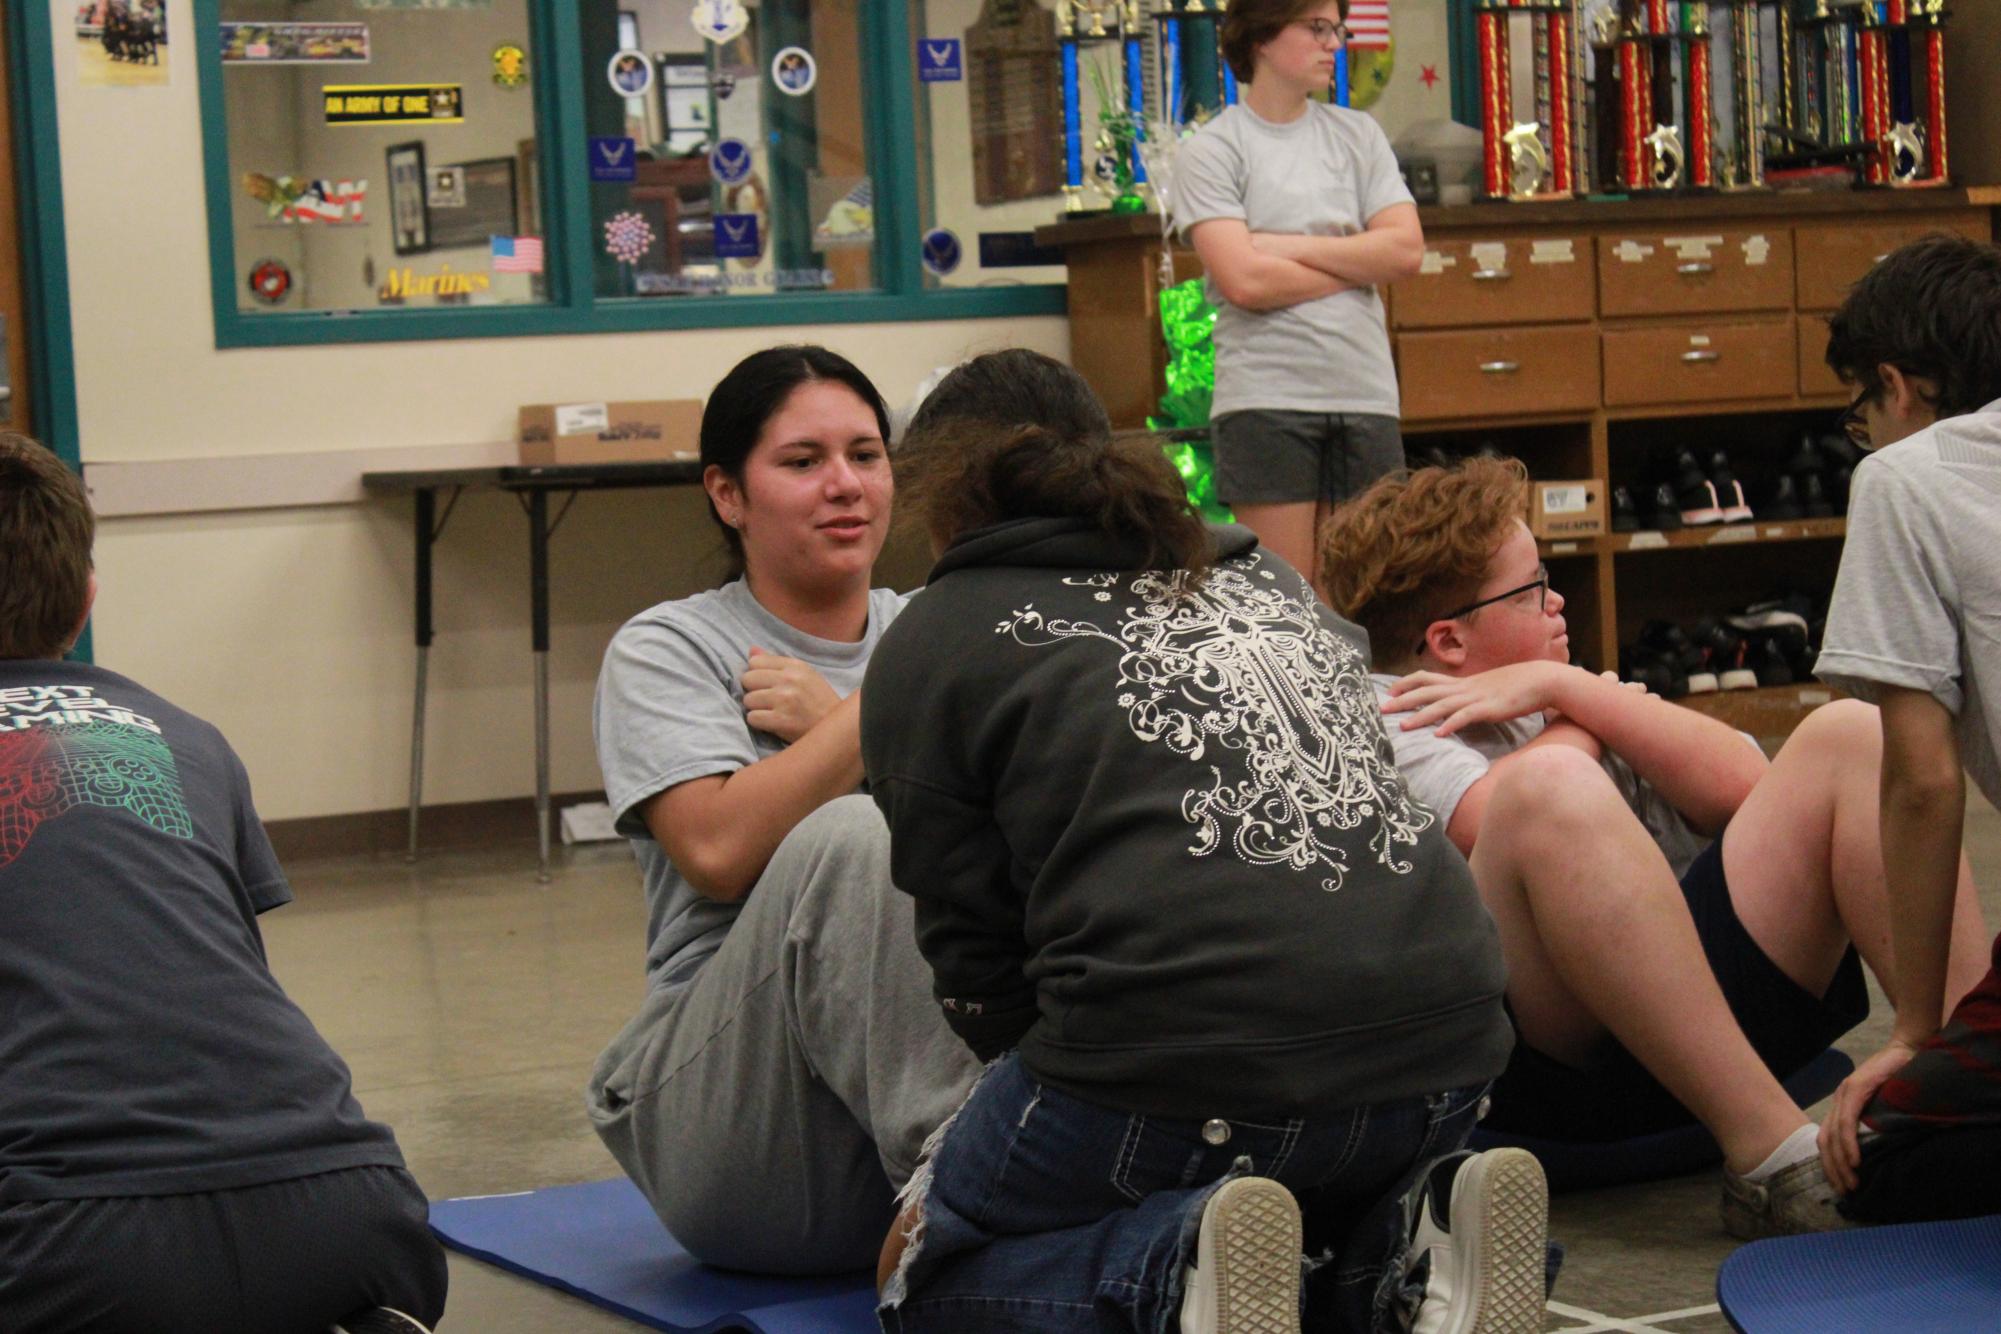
(653, 431)
(1567, 509)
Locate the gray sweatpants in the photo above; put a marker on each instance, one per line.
(771, 1108)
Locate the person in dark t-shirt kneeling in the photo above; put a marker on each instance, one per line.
(180, 1150)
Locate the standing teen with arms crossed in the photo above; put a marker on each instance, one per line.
(1913, 626)
(779, 1079)
(1300, 217)
(1169, 880)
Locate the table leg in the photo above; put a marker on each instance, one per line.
(538, 582)
(427, 501)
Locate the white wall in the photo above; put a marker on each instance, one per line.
(290, 628)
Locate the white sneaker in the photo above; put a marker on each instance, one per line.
(1481, 1233)
(380, 1320)
(1246, 1274)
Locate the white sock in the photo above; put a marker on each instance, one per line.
(1802, 1144)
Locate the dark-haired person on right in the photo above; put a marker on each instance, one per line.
(1915, 1132)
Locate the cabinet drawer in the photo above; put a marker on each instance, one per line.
(1695, 271)
(1831, 259)
(1498, 372)
(1816, 379)
(1700, 363)
(1523, 280)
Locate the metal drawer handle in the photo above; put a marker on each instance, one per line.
(1500, 367)
(1700, 355)
(1690, 270)
(1492, 275)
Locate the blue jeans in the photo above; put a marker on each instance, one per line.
(1044, 1212)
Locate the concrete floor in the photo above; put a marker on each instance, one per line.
(470, 1002)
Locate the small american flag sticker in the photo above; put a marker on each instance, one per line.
(517, 254)
(1369, 21)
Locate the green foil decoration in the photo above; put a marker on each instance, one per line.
(1189, 323)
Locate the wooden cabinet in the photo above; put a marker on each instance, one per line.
(1478, 373)
(1816, 379)
(1699, 361)
(1833, 256)
(1543, 280)
(1695, 270)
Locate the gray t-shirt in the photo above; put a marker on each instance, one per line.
(1324, 174)
(1440, 769)
(670, 709)
(1918, 601)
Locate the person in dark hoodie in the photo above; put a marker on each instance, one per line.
(1239, 996)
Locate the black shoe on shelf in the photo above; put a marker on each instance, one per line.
(1667, 641)
(1693, 492)
(1739, 675)
(1769, 662)
(1807, 458)
(1729, 492)
(1625, 515)
(1813, 496)
(1666, 515)
(1839, 451)
(1837, 488)
(1785, 501)
(1656, 674)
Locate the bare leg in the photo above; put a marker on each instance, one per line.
(1804, 859)
(1290, 531)
(1565, 869)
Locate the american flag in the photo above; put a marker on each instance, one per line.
(1369, 21)
(517, 254)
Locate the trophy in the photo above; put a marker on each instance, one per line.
(1517, 162)
(1119, 168)
(1900, 49)
(1664, 138)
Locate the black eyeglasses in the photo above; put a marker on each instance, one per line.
(1326, 32)
(1854, 425)
(1540, 583)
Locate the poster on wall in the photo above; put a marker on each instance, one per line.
(119, 43)
(1014, 102)
(294, 43)
(487, 187)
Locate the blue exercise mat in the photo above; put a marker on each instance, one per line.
(1914, 1278)
(601, 1242)
(1584, 1164)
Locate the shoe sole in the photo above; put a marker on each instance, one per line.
(1251, 1241)
(1508, 1235)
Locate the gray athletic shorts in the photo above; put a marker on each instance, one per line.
(1276, 458)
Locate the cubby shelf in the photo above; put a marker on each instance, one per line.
(1709, 536)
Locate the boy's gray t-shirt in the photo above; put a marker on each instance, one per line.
(670, 709)
(1439, 769)
(1325, 174)
(1917, 603)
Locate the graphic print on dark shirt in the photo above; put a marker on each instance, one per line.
(1243, 667)
(114, 761)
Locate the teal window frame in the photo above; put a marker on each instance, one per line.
(573, 306)
(38, 178)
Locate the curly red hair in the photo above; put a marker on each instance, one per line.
(1397, 557)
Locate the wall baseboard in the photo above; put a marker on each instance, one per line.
(452, 827)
